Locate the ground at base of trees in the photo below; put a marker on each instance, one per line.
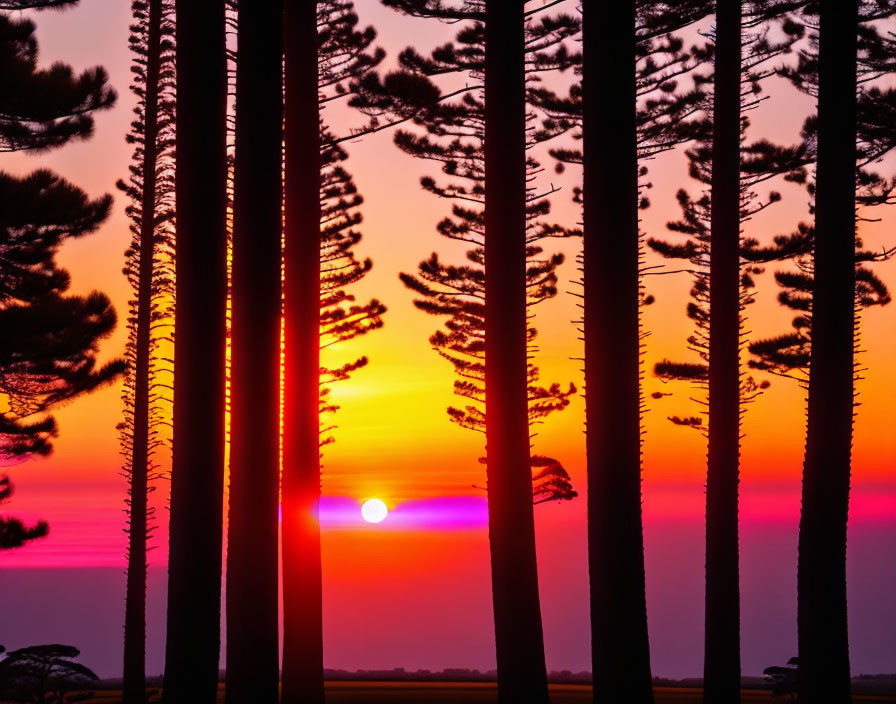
(484, 693)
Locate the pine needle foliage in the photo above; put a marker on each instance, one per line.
(769, 31)
(346, 54)
(144, 432)
(449, 129)
(50, 339)
(788, 354)
(157, 222)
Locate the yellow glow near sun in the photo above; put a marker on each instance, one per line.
(374, 510)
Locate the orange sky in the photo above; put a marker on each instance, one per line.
(405, 378)
(394, 438)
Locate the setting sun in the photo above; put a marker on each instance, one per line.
(374, 511)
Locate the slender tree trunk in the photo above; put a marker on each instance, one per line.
(823, 638)
(721, 668)
(197, 474)
(303, 659)
(518, 631)
(134, 686)
(252, 538)
(620, 649)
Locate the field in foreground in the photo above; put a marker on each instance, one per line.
(484, 693)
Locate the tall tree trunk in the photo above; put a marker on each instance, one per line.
(197, 473)
(303, 665)
(721, 667)
(823, 637)
(252, 539)
(518, 631)
(134, 686)
(620, 649)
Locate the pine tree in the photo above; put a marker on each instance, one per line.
(821, 580)
(612, 293)
(326, 54)
(150, 272)
(303, 660)
(725, 264)
(788, 354)
(50, 340)
(511, 525)
(43, 108)
(653, 115)
(450, 133)
(252, 538)
(197, 470)
(13, 531)
(832, 283)
(487, 336)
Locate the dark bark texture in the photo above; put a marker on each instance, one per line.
(253, 530)
(197, 474)
(518, 630)
(303, 674)
(721, 668)
(821, 580)
(620, 650)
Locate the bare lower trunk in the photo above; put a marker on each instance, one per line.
(518, 631)
(722, 645)
(197, 474)
(252, 538)
(303, 674)
(823, 638)
(620, 650)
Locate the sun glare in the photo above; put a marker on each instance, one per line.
(374, 511)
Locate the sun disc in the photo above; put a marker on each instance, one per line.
(374, 511)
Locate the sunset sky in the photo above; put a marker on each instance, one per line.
(413, 591)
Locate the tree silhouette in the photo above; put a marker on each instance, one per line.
(35, 5)
(782, 679)
(653, 114)
(50, 340)
(34, 673)
(788, 354)
(303, 662)
(197, 469)
(821, 576)
(832, 283)
(252, 538)
(326, 54)
(611, 298)
(13, 531)
(487, 336)
(459, 291)
(43, 108)
(724, 264)
(149, 269)
(507, 376)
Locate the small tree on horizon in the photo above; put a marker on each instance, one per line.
(44, 673)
